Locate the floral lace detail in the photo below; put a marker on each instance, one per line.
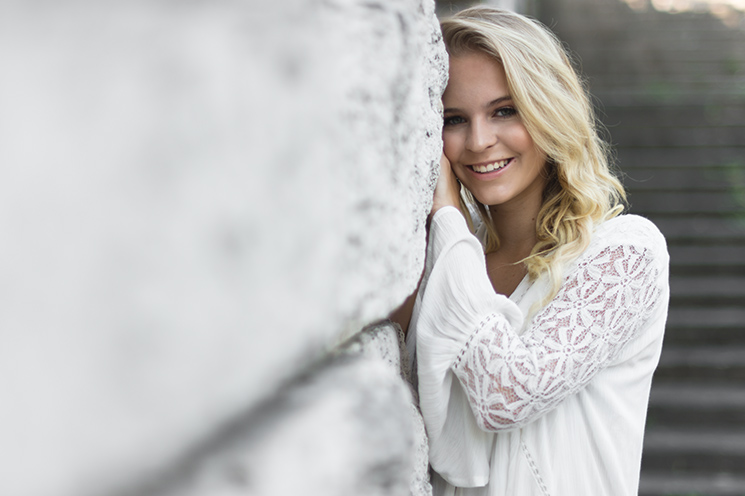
(511, 379)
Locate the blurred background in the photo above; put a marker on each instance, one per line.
(202, 201)
(669, 82)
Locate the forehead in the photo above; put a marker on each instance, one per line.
(474, 77)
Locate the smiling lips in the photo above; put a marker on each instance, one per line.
(484, 168)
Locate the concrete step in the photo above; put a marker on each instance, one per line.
(694, 451)
(675, 41)
(714, 484)
(656, 37)
(667, 93)
(643, 27)
(706, 336)
(708, 260)
(709, 327)
(712, 179)
(572, 23)
(703, 364)
(711, 256)
(688, 203)
(663, 27)
(657, 136)
(705, 320)
(699, 397)
(727, 77)
(693, 230)
(707, 291)
(702, 156)
(566, 14)
(674, 115)
(687, 405)
(662, 91)
(675, 51)
(666, 88)
(651, 68)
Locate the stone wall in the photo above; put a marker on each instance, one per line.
(200, 199)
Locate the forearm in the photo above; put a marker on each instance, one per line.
(402, 314)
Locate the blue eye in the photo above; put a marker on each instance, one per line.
(505, 112)
(453, 120)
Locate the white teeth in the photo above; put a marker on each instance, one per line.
(490, 167)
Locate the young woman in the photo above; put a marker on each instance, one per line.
(540, 316)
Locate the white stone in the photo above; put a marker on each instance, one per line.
(384, 342)
(198, 198)
(341, 430)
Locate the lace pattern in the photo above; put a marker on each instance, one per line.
(510, 380)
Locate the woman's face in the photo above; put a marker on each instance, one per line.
(485, 140)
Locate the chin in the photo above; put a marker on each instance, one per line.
(485, 200)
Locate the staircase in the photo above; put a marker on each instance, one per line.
(671, 89)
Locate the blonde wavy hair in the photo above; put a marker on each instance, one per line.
(556, 110)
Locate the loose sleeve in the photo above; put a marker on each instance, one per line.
(478, 376)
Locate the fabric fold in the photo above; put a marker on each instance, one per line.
(459, 451)
(482, 375)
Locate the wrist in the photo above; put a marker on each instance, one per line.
(437, 205)
(441, 209)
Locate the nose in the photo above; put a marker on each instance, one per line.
(480, 136)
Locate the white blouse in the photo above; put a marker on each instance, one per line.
(554, 405)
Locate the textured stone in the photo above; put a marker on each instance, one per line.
(385, 342)
(198, 198)
(350, 425)
(340, 430)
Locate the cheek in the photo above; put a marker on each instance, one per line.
(451, 144)
(520, 140)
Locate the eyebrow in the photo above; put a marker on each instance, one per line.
(490, 104)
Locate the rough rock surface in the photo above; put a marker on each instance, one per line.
(384, 342)
(198, 199)
(342, 428)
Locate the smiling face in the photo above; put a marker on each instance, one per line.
(485, 140)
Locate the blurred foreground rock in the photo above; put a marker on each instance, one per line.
(199, 199)
(346, 426)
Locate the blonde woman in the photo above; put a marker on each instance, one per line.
(539, 319)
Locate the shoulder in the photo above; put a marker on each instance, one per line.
(630, 230)
(628, 239)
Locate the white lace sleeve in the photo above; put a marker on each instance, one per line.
(478, 373)
(511, 379)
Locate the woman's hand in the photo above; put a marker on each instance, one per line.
(447, 191)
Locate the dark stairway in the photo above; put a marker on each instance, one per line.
(671, 88)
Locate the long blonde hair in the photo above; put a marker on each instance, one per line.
(556, 110)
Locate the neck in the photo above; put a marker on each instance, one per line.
(515, 225)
